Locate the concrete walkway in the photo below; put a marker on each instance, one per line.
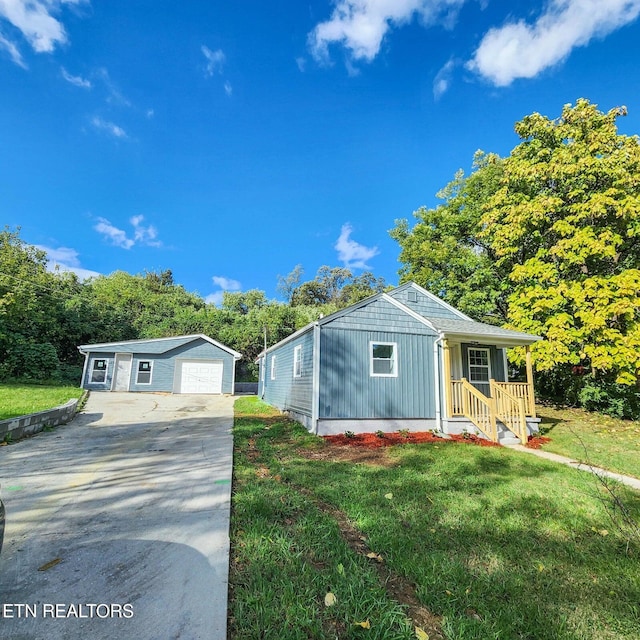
(118, 523)
(554, 457)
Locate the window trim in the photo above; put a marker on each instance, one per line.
(394, 359)
(488, 365)
(297, 361)
(138, 372)
(93, 370)
(273, 367)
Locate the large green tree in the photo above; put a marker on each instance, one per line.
(565, 223)
(445, 253)
(546, 240)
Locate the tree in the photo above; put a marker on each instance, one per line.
(565, 224)
(445, 253)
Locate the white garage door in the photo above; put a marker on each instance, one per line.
(203, 376)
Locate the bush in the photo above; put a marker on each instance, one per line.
(605, 396)
(30, 361)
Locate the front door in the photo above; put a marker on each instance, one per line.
(122, 372)
(479, 372)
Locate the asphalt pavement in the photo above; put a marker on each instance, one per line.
(118, 523)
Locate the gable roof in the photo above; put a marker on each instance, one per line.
(460, 328)
(154, 346)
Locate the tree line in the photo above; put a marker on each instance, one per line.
(545, 240)
(45, 315)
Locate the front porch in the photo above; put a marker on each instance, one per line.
(490, 405)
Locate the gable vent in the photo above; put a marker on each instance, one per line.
(412, 296)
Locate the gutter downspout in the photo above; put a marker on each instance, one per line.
(315, 385)
(436, 369)
(84, 368)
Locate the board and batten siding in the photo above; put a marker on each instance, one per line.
(347, 389)
(379, 314)
(287, 392)
(424, 305)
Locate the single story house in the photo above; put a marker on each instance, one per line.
(180, 364)
(404, 359)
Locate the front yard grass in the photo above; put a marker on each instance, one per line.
(22, 399)
(593, 438)
(467, 542)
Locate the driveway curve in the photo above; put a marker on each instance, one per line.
(118, 523)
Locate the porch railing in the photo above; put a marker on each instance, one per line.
(477, 408)
(521, 390)
(510, 410)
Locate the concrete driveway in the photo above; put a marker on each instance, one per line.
(118, 523)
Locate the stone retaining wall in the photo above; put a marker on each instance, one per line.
(16, 428)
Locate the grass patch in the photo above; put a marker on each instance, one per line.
(22, 399)
(610, 443)
(494, 544)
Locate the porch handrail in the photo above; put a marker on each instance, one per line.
(479, 409)
(522, 390)
(510, 410)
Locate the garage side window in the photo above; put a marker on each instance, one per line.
(99, 370)
(273, 367)
(384, 360)
(297, 361)
(145, 368)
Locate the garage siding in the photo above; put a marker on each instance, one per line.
(165, 366)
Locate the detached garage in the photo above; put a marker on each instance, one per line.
(181, 364)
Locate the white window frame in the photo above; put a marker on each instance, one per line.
(138, 372)
(93, 370)
(297, 361)
(488, 365)
(394, 359)
(273, 367)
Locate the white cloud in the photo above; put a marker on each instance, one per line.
(109, 127)
(520, 50)
(66, 259)
(215, 298)
(13, 51)
(226, 283)
(142, 235)
(35, 20)
(443, 79)
(116, 236)
(75, 80)
(302, 64)
(350, 252)
(215, 60)
(361, 25)
(228, 89)
(115, 96)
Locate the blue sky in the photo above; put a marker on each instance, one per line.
(231, 141)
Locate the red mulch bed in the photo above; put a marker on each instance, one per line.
(373, 441)
(535, 442)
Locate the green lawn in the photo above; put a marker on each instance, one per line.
(22, 399)
(594, 438)
(474, 542)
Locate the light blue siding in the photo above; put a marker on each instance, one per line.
(379, 314)
(347, 389)
(286, 392)
(165, 365)
(424, 305)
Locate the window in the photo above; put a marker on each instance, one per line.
(384, 362)
(297, 361)
(99, 370)
(273, 367)
(144, 372)
(479, 370)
